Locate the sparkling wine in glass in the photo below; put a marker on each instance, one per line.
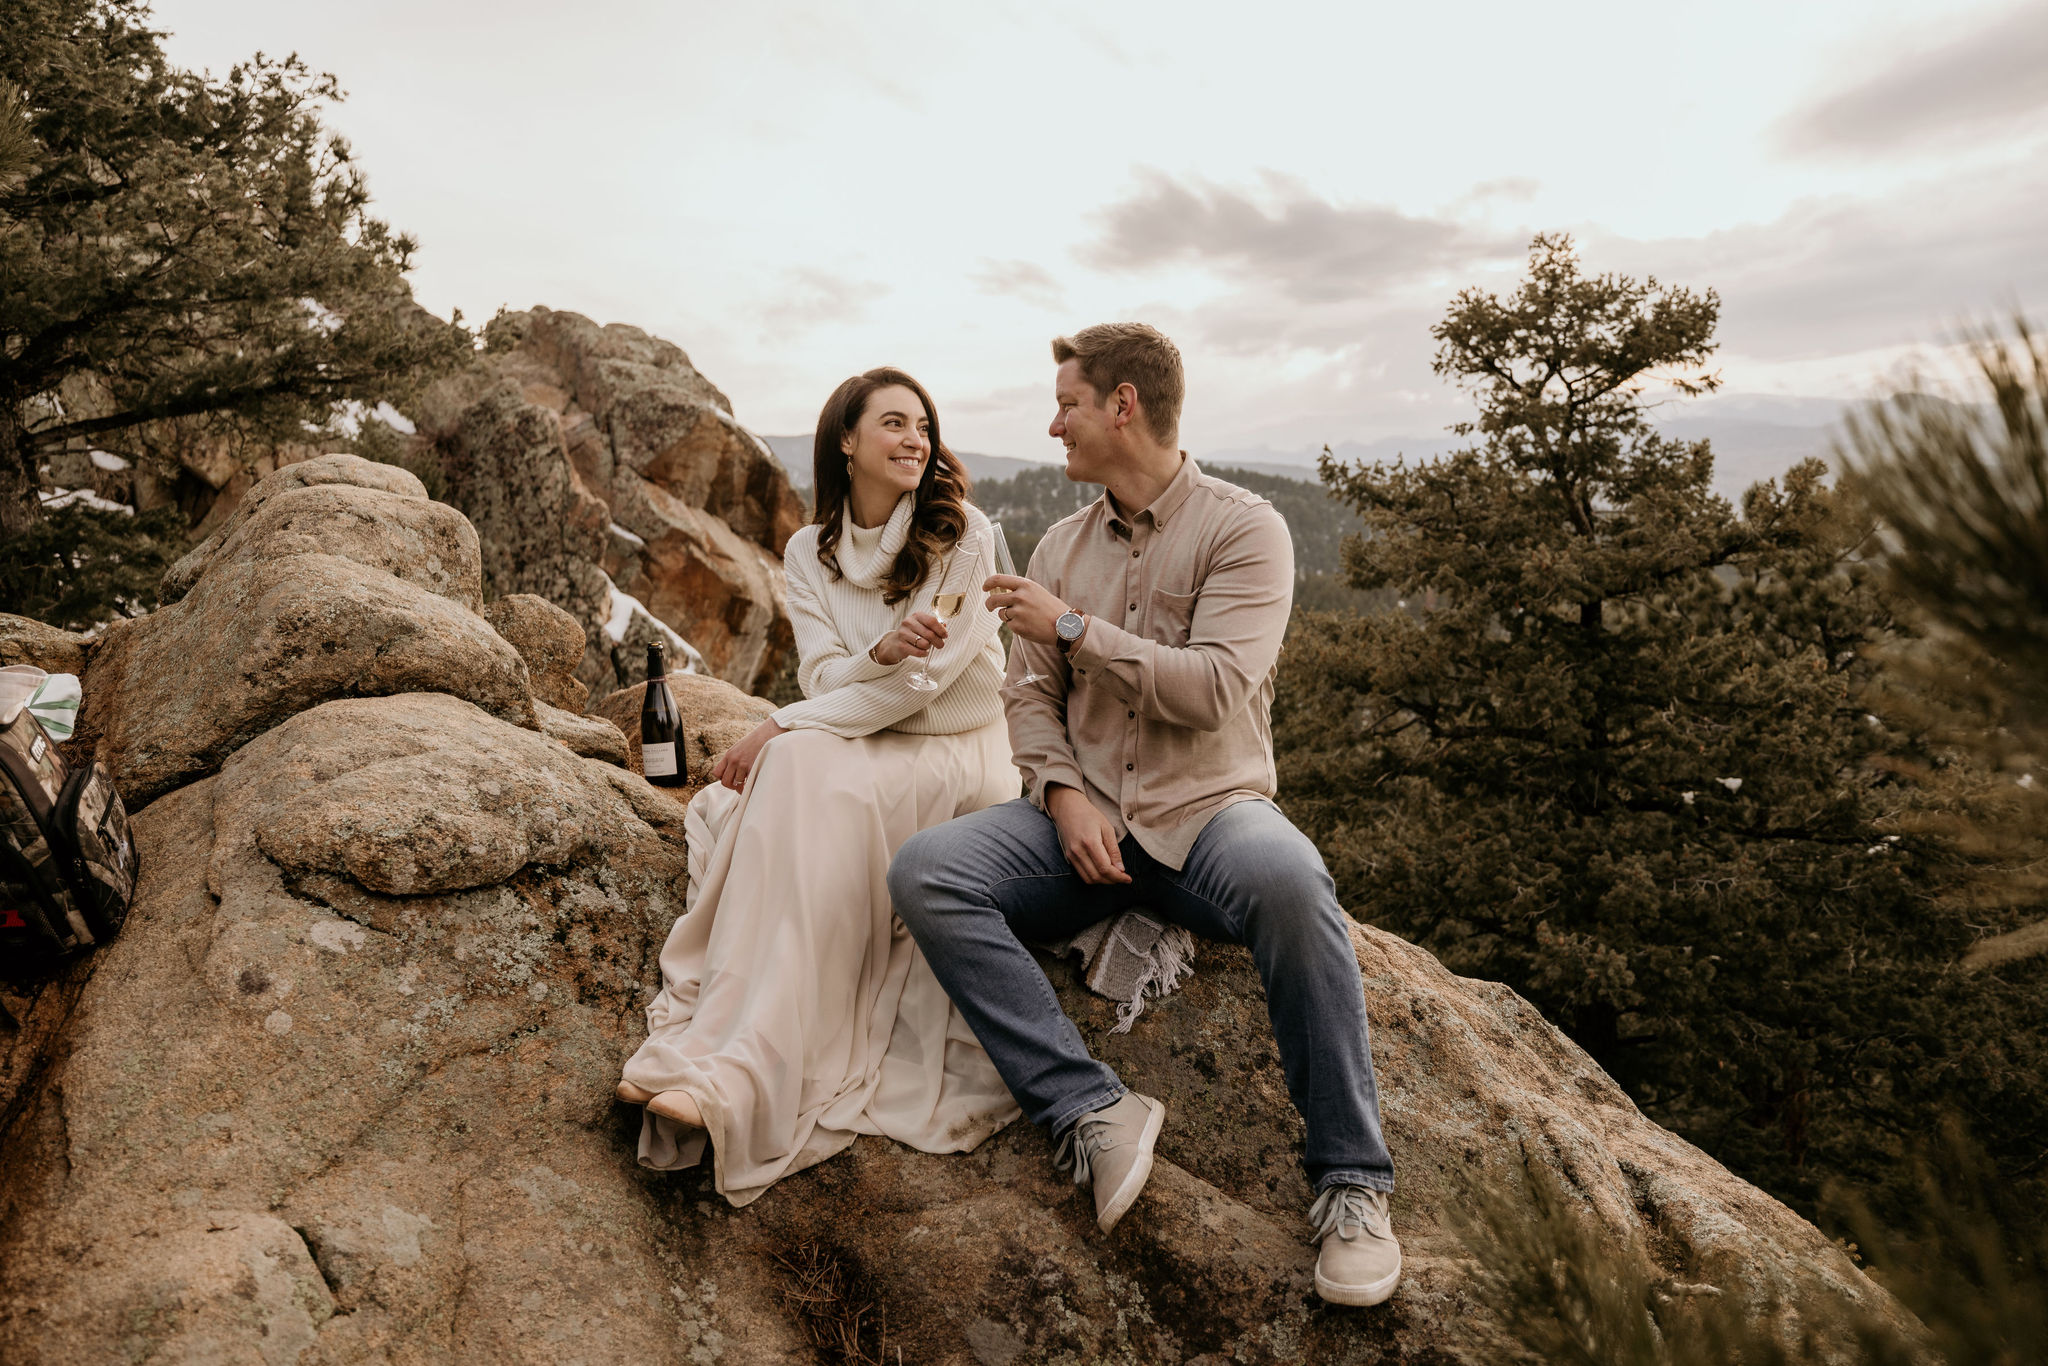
(1006, 565)
(945, 607)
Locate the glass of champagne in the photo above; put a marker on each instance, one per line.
(1006, 565)
(945, 606)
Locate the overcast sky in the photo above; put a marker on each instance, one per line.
(794, 192)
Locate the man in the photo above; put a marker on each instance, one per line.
(1152, 621)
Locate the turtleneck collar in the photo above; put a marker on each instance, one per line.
(865, 553)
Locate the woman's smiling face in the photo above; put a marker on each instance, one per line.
(892, 442)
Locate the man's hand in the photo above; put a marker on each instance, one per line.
(735, 764)
(1086, 837)
(918, 636)
(1027, 607)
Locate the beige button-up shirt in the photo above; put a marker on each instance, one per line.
(1162, 711)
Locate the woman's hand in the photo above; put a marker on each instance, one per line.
(735, 764)
(918, 636)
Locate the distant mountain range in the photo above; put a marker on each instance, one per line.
(1755, 436)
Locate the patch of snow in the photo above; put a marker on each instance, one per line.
(1687, 797)
(320, 317)
(624, 605)
(729, 420)
(348, 416)
(624, 534)
(622, 613)
(2026, 780)
(1732, 784)
(107, 460)
(64, 498)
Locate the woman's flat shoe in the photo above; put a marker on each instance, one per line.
(679, 1106)
(634, 1095)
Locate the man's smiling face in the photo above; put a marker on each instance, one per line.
(1082, 425)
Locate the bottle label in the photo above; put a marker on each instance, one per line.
(658, 761)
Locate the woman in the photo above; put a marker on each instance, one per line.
(796, 1012)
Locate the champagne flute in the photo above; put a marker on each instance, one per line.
(1006, 565)
(945, 606)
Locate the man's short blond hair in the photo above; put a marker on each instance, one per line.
(1136, 354)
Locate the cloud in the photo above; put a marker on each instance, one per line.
(1986, 78)
(1289, 239)
(1305, 319)
(1026, 280)
(1844, 276)
(814, 298)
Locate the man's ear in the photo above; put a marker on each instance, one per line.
(1125, 404)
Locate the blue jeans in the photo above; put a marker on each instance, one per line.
(974, 890)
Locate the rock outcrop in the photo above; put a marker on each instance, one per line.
(604, 473)
(551, 643)
(25, 641)
(341, 1093)
(315, 507)
(353, 585)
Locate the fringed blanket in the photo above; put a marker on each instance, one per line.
(1131, 958)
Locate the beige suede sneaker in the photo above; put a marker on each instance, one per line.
(1113, 1148)
(1360, 1262)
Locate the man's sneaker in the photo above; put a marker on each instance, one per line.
(1360, 1262)
(1113, 1148)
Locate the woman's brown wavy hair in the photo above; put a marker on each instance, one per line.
(940, 517)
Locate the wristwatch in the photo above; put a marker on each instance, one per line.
(1070, 627)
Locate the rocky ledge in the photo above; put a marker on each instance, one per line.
(341, 1092)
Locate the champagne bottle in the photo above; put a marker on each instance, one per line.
(661, 726)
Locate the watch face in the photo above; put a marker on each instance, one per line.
(1069, 626)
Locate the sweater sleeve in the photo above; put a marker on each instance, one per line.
(865, 706)
(826, 660)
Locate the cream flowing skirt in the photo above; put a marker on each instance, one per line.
(795, 1009)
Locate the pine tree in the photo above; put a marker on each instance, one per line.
(1623, 759)
(1961, 483)
(175, 247)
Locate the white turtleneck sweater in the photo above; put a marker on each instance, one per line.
(837, 620)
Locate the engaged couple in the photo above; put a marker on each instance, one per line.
(865, 876)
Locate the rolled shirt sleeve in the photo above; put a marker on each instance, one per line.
(1235, 627)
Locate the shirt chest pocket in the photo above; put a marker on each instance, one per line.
(1171, 616)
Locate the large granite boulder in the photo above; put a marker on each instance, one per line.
(333, 578)
(23, 640)
(551, 643)
(605, 474)
(349, 471)
(330, 1097)
(382, 1130)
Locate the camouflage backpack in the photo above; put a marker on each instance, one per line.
(67, 866)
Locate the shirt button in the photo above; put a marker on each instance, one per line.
(1133, 715)
(1134, 554)
(1130, 768)
(1134, 607)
